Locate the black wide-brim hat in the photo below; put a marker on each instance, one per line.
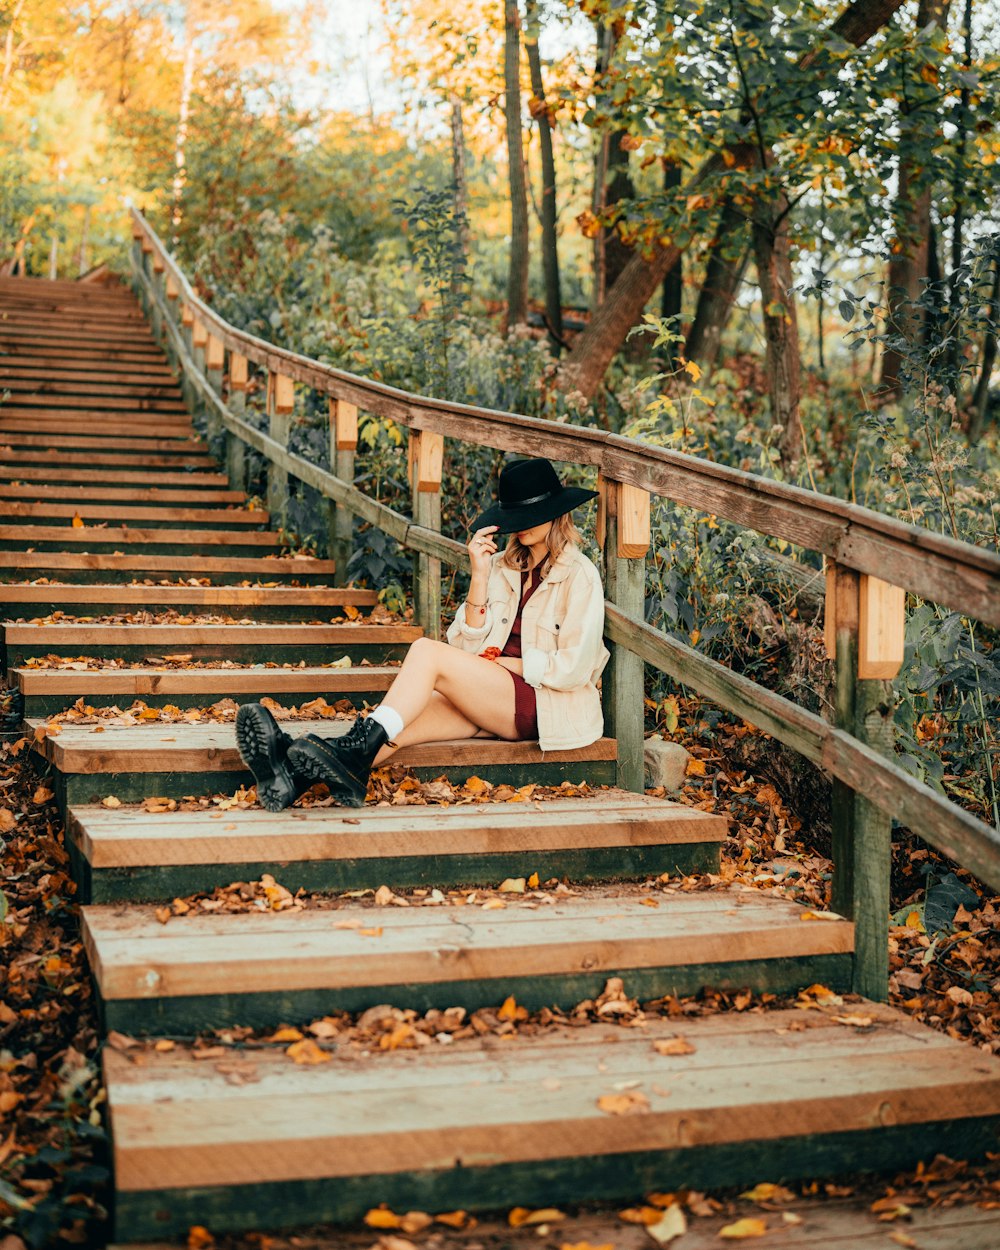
(530, 494)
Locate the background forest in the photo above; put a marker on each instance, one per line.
(763, 232)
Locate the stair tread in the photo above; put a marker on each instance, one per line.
(135, 536)
(178, 1123)
(129, 596)
(195, 565)
(140, 681)
(153, 636)
(212, 748)
(136, 957)
(125, 837)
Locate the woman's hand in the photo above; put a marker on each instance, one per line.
(482, 547)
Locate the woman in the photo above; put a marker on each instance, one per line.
(521, 662)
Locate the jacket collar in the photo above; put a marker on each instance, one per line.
(559, 571)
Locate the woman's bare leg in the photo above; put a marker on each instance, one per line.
(475, 694)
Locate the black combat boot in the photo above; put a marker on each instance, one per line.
(263, 747)
(344, 763)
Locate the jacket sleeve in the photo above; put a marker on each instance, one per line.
(470, 637)
(463, 635)
(580, 650)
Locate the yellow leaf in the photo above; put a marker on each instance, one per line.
(77, 521)
(476, 785)
(382, 1217)
(913, 921)
(693, 368)
(533, 881)
(111, 801)
(453, 1219)
(400, 1036)
(287, 1034)
(415, 1221)
(512, 885)
(673, 1046)
(632, 1102)
(376, 932)
(672, 1223)
(307, 1051)
(767, 1191)
(695, 768)
(494, 904)
(749, 1227)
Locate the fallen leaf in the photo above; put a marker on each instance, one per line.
(511, 1011)
(287, 1034)
(860, 1022)
(512, 885)
(307, 1051)
(671, 1224)
(199, 1238)
(382, 1217)
(415, 1221)
(673, 1046)
(640, 1215)
(888, 1209)
(632, 1102)
(767, 1191)
(7, 820)
(902, 1239)
(519, 1216)
(42, 795)
(751, 1226)
(452, 1219)
(383, 896)
(376, 932)
(78, 524)
(533, 881)
(111, 801)
(586, 1245)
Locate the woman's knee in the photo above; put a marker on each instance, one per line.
(428, 653)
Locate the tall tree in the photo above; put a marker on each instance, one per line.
(584, 367)
(544, 117)
(909, 258)
(517, 274)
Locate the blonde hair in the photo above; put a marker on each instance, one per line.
(562, 533)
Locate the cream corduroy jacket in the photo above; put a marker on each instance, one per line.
(562, 644)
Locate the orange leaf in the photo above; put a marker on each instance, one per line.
(77, 521)
(382, 1217)
(287, 1034)
(453, 1219)
(511, 1011)
(632, 1102)
(640, 1215)
(533, 881)
(749, 1227)
(42, 795)
(307, 1051)
(199, 1238)
(695, 768)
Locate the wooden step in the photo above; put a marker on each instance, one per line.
(175, 760)
(16, 512)
(75, 394)
(61, 356)
(127, 854)
(113, 538)
(110, 371)
(207, 971)
(243, 1140)
(192, 479)
(100, 442)
(88, 494)
(52, 420)
(302, 602)
(84, 567)
(34, 401)
(47, 692)
(40, 330)
(59, 289)
(100, 459)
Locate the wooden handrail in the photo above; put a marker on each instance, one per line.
(859, 540)
(934, 566)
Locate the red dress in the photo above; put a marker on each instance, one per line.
(525, 711)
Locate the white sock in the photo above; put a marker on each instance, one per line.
(389, 719)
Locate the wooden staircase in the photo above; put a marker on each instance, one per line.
(113, 516)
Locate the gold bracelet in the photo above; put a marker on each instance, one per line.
(480, 607)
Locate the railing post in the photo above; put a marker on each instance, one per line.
(172, 293)
(343, 447)
(280, 404)
(187, 333)
(156, 281)
(236, 401)
(426, 463)
(623, 531)
(215, 357)
(864, 635)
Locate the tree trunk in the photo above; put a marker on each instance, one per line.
(618, 186)
(781, 330)
(908, 261)
(727, 261)
(672, 295)
(180, 143)
(461, 183)
(517, 278)
(598, 288)
(584, 367)
(550, 242)
(981, 395)
(958, 196)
